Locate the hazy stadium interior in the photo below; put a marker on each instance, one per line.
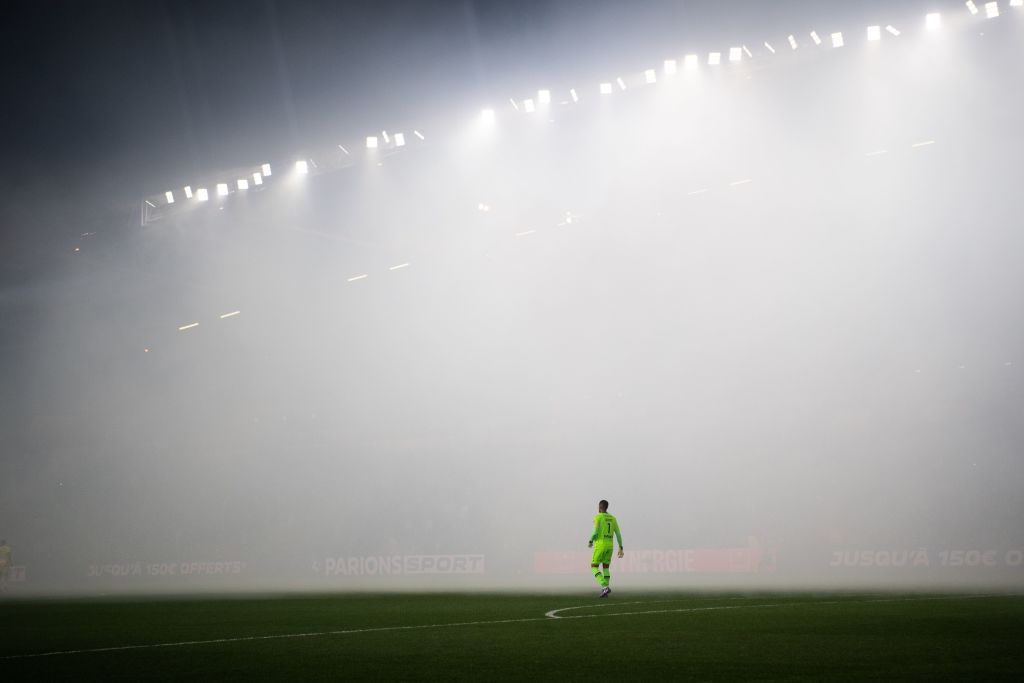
(772, 303)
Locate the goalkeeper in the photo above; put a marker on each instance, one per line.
(601, 541)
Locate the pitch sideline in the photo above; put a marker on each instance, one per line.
(548, 616)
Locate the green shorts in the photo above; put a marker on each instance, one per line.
(602, 553)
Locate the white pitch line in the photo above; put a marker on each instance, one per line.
(548, 616)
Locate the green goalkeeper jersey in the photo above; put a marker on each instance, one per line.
(605, 525)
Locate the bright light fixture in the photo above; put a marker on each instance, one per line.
(714, 58)
(874, 34)
(650, 76)
(266, 170)
(202, 195)
(735, 54)
(399, 139)
(769, 46)
(892, 30)
(971, 6)
(188, 192)
(837, 39)
(544, 96)
(418, 134)
(257, 179)
(690, 62)
(1016, 3)
(606, 88)
(671, 67)
(792, 42)
(371, 142)
(991, 10)
(243, 184)
(487, 116)
(746, 51)
(222, 189)
(529, 107)
(933, 22)
(170, 196)
(815, 38)
(384, 134)
(573, 95)
(622, 83)
(301, 167)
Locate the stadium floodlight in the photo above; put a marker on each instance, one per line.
(815, 38)
(169, 196)
(971, 6)
(222, 189)
(606, 88)
(714, 58)
(230, 314)
(544, 96)
(189, 326)
(650, 76)
(301, 167)
(691, 62)
(188, 192)
(735, 54)
(266, 170)
(243, 184)
(769, 47)
(487, 117)
(344, 151)
(384, 134)
(933, 22)
(874, 34)
(202, 195)
(622, 83)
(892, 30)
(837, 39)
(399, 139)
(747, 52)
(418, 134)
(573, 95)
(371, 142)
(515, 105)
(991, 10)
(529, 107)
(792, 41)
(257, 179)
(1016, 3)
(671, 66)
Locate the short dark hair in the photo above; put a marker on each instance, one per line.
(603, 505)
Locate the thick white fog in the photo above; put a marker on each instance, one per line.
(770, 310)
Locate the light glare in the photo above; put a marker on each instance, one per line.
(769, 46)
(815, 38)
(371, 142)
(892, 29)
(735, 54)
(170, 196)
(188, 192)
(202, 195)
(243, 184)
(691, 62)
(222, 189)
(529, 107)
(650, 76)
(399, 139)
(971, 6)
(301, 167)
(714, 58)
(487, 116)
(874, 33)
(257, 179)
(837, 40)
(544, 96)
(792, 42)
(991, 10)
(606, 88)
(671, 67)
(266, 170)
(573, 95)
(933, 22)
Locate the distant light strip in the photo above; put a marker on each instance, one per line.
(358, 277)
(696, 192)
(187, 327)
(741, 182)
(230, 315)
(877, 153)
(923, 143)
(525, 233)
(399, 266)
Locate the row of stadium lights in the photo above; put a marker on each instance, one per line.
(691, 62)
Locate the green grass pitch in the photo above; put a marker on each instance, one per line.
(466, 636)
